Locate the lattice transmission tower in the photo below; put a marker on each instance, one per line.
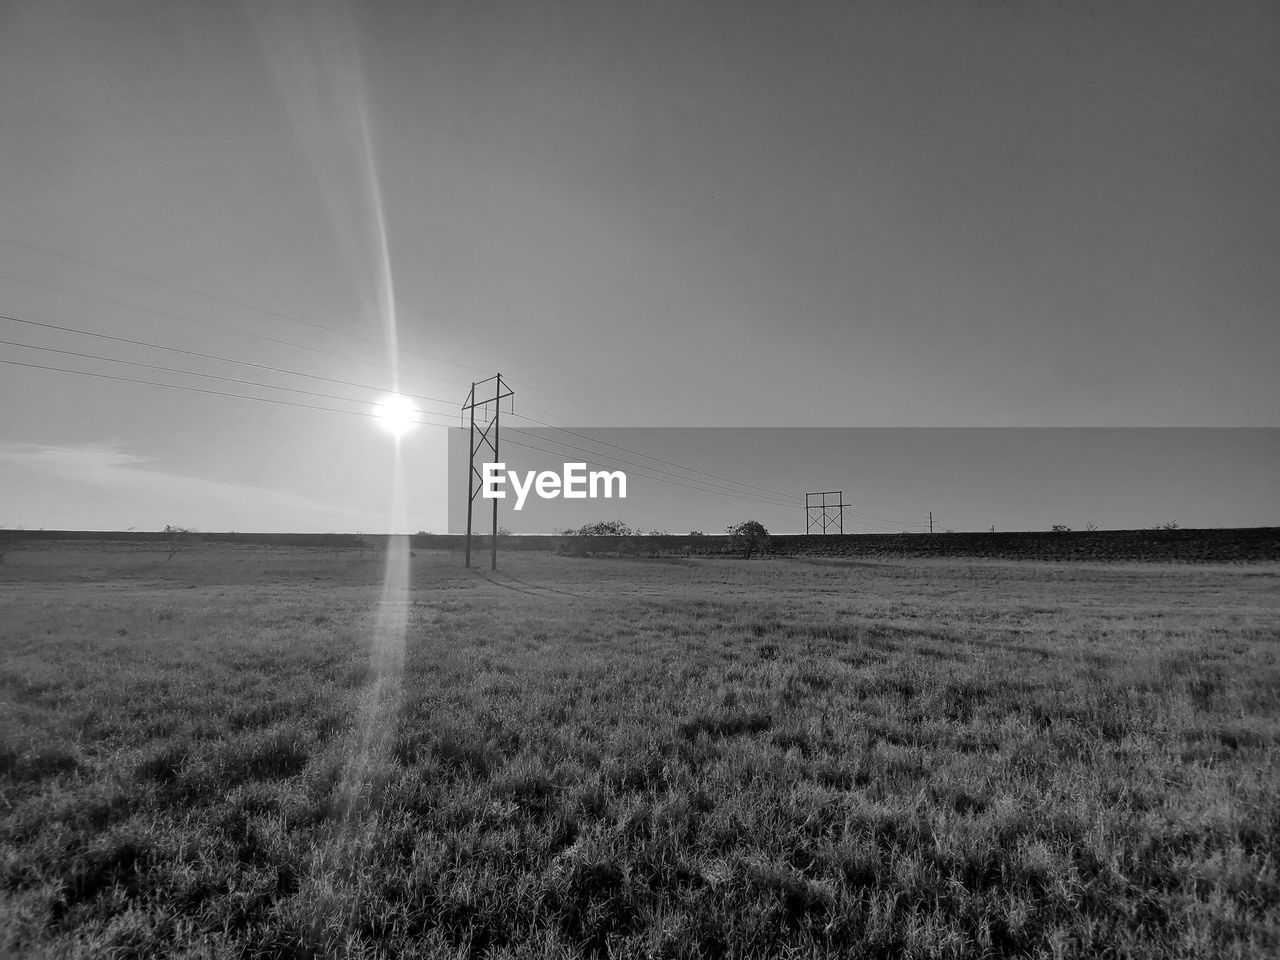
(824, 513)
(485, 439)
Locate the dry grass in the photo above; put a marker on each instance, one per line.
(636, 758)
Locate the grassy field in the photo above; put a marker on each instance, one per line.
(260, 752)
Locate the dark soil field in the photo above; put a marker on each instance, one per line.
(304, 751)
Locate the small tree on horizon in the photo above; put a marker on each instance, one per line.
(750, 537)
(179, 537)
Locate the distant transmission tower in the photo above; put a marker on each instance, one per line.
(486, 438)
(824, 512)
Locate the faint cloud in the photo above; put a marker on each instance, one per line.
(80, 461)
(56, 476)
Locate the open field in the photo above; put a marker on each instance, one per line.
(230, 753)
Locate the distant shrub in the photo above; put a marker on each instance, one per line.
(179, 538)
(654, 542)
(604, 535)
(606, 528)
(750, 537)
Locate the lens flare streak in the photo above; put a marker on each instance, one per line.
(361, 778)
(311, 48)
(367, 761)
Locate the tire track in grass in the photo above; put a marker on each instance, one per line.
(529, 589)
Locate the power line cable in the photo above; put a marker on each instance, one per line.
(245, 306)
(637, 453)
(613, 458)
(708, 488)
(212, 325)
(312, 406)
(235, 303)
(314, 324)
(205, 356)
(718, 493)
(892, 523)
(548, 393)
(882, 520)
(208, 356)
(860, 514)
(206, 376)
(190, 389)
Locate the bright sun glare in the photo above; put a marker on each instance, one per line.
(396, 414)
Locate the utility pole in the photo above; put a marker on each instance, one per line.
(817, 513)
(931, 521)
(487, 437)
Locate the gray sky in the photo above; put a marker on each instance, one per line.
(655, 214)
(969, 478)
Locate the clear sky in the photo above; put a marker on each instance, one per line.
(733, 214)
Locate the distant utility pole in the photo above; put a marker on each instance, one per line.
(487, 437)
(824, 512)
(931, 521)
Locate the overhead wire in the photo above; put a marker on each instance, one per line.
(308, 406)
(646, 456)
(680, 479)
(768, 493)
(242, 305)
(606, 458)
(191, 389)
(885, 520)
(548, 393)
(192, 373)
(211, 325)
(719, 493)
(863, 516)
(670, 478)
(235, 303)
(330, 396)
(202, 355)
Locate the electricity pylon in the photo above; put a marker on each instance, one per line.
(819, 514)
(487, 437)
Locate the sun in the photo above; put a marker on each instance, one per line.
(396, 414)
